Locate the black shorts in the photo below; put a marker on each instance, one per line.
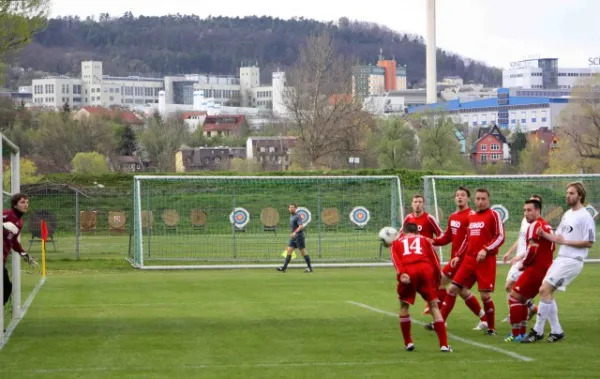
(297, 242)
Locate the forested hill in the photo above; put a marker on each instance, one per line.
(189, 44)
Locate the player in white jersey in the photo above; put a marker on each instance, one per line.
(575, 235)
(520, 246)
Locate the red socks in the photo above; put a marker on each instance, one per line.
(440, 330)
(488, 307)
(405, 327)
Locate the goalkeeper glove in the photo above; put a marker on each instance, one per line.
(11, 227)
(30, 261)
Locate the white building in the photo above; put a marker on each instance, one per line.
(278, 93)
(367, 81)
(261, 98)
(94, 88)
(544, 73)
(505, 110)
(55, 91)
(227, 90)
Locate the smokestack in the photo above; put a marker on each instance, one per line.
(431, 52)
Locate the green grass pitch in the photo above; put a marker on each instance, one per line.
(102, 319)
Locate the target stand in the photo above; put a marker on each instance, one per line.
(269, 217)
(360, 217)
(239, 218)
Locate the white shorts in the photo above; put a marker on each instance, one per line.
(563, 271)
(514, 273)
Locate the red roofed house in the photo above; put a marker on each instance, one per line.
(491, 146)
(125, 116)
(545, 135)
(193, 119)
(223, 125)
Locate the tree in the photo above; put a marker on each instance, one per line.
(580, 120)
(161, 141)
(438, 144)
(19, 21)
(534, 158)
(58, 140)
(322, 112)
(565, 159)
(518, 142)
(66, 108)
(90, 163)
(127, 142)
(395, 143)
(28, 171)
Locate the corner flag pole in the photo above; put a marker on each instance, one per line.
(44, 236)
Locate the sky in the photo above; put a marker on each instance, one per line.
(496, 32)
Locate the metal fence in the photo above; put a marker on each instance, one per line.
(91, 222)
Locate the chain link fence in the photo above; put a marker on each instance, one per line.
(90, 222)
(83, 222)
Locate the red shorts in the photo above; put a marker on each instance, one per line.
(423, 281)
(482, 273)
(529, 283)
(450, 271)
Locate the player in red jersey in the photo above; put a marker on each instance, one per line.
(427, 224)
(477, 258)
(455, 233)
(418, 271)
(535, 265)
(12, 223)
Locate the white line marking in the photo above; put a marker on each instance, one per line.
(183, 303)
(236, 366)
(453, 336)
(13, 324)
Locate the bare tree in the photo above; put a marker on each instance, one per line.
(162, 139)
(322, 111)
(581, 119)
(58, 140)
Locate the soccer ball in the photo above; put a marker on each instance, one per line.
(388, 235)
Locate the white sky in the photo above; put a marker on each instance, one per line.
(494, 31)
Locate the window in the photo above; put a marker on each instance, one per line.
(495, 157)
(484, 158)
(544, 116)
(523, 117)
(483, 147)
(533, 116)
(495, 147)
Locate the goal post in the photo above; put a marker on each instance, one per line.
(508, 194)
(10, 166)
(183, 222)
